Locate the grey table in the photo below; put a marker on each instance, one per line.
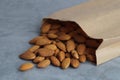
(20, 21)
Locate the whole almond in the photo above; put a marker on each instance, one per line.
(65, 63)
(61, 46)
(26, 66)
(82, 58)
(34, 40)
(45, 27)
(51, 46)
(43, 41)
(52, 35)
(38, 59)
(27, 55)
(44, 52)
(70, 45)
(64, 37)
(33, 48)
(75, 63)
(81, 49)
(55, 61)
(61, 56)
(74, 54)
(44, 63)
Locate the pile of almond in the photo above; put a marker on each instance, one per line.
(62, 44)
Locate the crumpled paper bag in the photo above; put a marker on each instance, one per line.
(99, 19)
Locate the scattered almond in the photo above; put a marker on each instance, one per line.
(61, 56)
(44, 64)
(81, 49)
(61, 46)
(45, 27)
(52, 36)
(64, 37)
(75, 63)
(44, 52)
(33, 48)
(82, 58)
(70, 45)
(26, 66)
(51, 46)
(65, 63)
(55, 61)
(38, 59)
(27, 55)
(74, 54)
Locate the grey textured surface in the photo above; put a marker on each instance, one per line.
(20, 22)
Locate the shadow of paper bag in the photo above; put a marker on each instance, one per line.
(99, 19)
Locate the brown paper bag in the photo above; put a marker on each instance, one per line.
(99, 19)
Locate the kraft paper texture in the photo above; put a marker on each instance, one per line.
(99, 19)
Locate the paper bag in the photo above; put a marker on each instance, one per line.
(99, 19)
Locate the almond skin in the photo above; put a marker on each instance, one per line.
(64, 37)
(45, 27)
(56, 52)
(44, 63)
(70, 45)
(26, 66)
(75, 63)
(27, 55)
(61, 56)
(74, 54)
(38, 59)
(61, 46)
(52, 36)
(81, 49)
(44, 52)
(51, 46)
(43, 41)
(34, 40)
(82, 58)
(55, 61)
(33, 48)
(65, 63)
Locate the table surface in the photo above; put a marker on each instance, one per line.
(20, 21)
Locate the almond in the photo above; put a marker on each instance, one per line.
(51, 46)
(65, 63)
(33, 48)
(61, 46)
(55, 26)
(75, 63)
(75, 54)
(64, 37)
(55, 61)
(52, 35)
(45, 27)
(44, 63)
(61, 56)
(27, 55)
(82, 58)
(26, 66)
(81, 49)
(43, 41)
(70, 45)
(38, 59)
(33, 41)
(44, 52)
(91, 57)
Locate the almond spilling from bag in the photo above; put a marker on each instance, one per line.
(65, 63)
(44, 63)
(27, 55)
(75, 63)
(55, 61)
(26, 66)
(60, 43)
(44, 52)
